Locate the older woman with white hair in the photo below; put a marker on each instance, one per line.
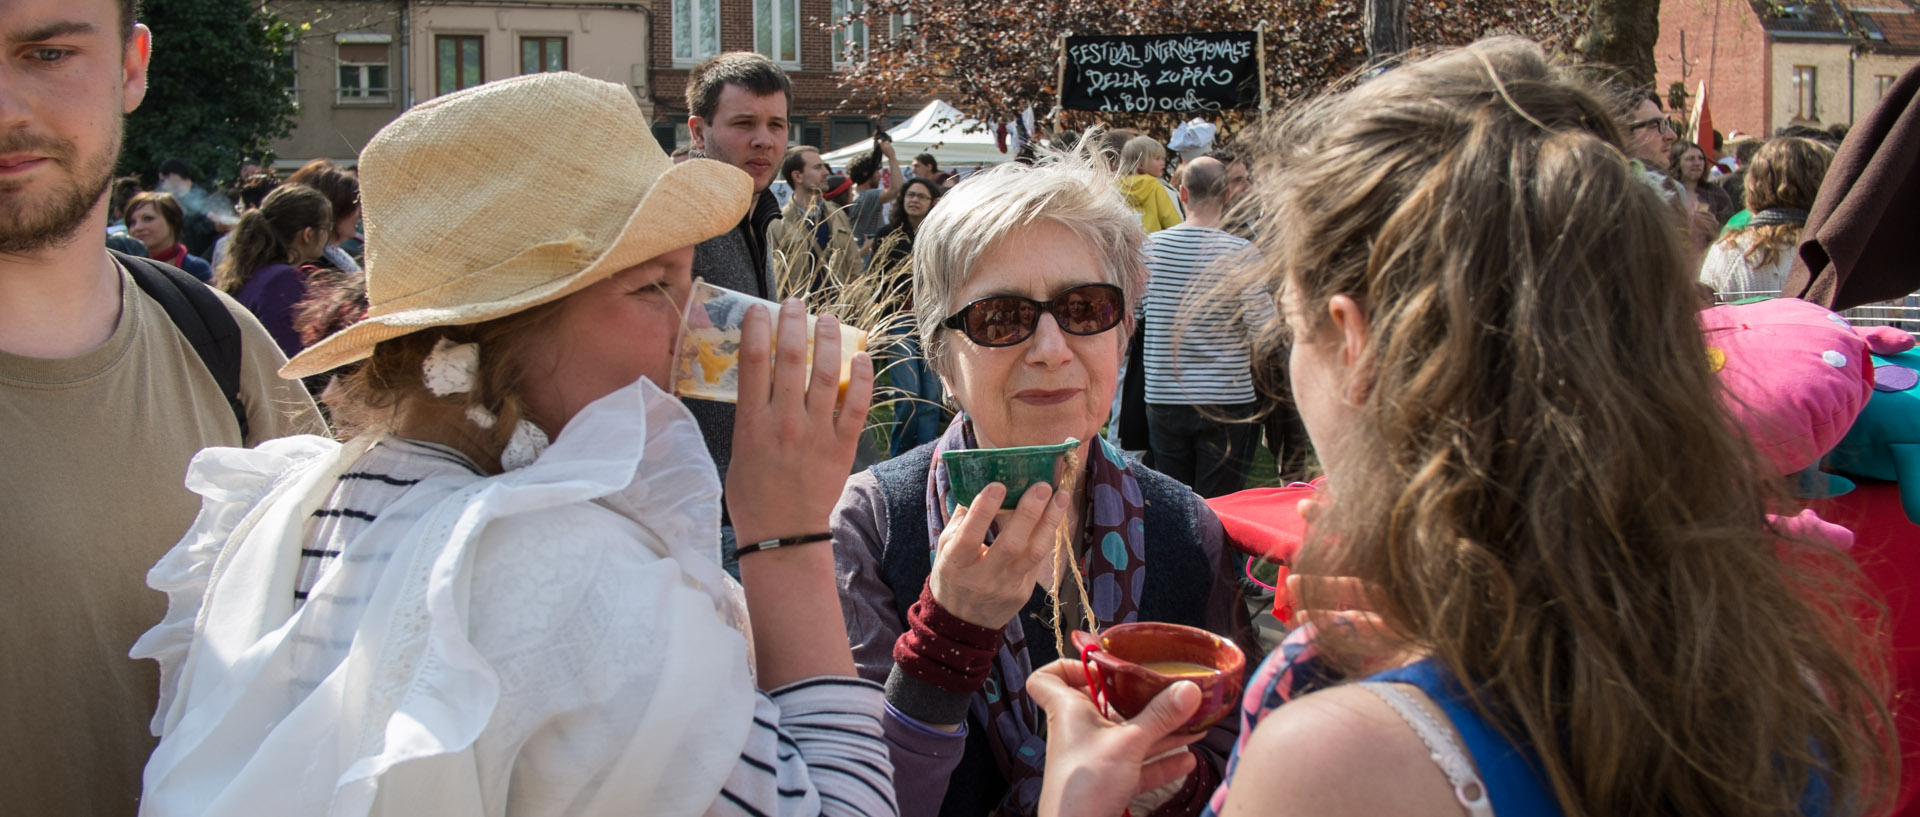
(1024, 281)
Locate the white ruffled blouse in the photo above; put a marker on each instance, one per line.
(555, 640)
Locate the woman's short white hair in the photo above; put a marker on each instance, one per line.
(1073, 189)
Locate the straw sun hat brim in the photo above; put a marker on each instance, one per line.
(692, 202)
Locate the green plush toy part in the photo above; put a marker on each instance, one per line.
(1884, 443)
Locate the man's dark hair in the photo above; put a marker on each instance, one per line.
(254, 189)
(933, 165)
(1626, 99)
(794, 163)
(129, 14)
(863, 168)
(746, 69)
(124, 189)
(179, 167)
(1205, 181)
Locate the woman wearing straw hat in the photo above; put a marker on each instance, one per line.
(503, 595)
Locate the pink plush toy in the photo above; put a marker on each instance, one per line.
(1796, 377)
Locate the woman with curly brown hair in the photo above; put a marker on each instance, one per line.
(1575, 601)
(1781, 186)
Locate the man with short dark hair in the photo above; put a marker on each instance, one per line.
(1200, 396)
(925, 166)
(103, 401)
(207, 214)
(814, 237)
(737, 113)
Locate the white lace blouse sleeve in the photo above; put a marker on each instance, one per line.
(231, 483)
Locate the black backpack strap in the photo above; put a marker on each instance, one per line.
(202, 319)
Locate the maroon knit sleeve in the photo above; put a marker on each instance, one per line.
(943, 650)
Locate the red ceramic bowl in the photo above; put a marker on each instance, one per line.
(1128, 664)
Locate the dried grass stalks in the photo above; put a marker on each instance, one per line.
(876, 300)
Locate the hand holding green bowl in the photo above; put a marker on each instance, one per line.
(1017, 468)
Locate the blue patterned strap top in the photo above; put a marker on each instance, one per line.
(1510, 775)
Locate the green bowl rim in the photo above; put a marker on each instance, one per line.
(1056, 449)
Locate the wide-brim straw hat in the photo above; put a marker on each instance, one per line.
(488, 201)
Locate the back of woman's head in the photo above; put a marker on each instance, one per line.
(1787, 173)
(1542, 484)
(341, 188)
(272, 233)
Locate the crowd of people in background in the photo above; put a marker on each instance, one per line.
(301, 530)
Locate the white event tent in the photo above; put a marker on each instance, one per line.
(940, 129)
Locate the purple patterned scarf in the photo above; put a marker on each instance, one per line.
(1113, 560)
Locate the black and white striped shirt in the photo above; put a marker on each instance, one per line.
(1197, 348)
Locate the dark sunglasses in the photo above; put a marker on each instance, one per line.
(1004, 320)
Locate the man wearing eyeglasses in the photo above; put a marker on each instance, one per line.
(1650, 133)
(1649, 136)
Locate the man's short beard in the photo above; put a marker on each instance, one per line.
(28, 226)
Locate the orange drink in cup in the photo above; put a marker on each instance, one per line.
(707, 357)
(1128, 664)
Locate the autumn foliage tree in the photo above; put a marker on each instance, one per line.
(994, 59)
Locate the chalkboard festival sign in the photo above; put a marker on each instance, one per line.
(1177, 73)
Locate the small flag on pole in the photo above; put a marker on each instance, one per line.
(1700, 124)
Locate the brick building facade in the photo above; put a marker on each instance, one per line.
(1769, 65)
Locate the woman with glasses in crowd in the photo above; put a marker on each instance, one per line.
(1024, 285)
(894, 245)
(916, 407)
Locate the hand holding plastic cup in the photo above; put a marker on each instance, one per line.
(707, 357)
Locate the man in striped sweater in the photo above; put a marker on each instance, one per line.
(1200, 396)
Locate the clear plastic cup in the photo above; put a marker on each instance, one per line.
(707, 357)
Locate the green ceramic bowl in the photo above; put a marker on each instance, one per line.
(971, 471)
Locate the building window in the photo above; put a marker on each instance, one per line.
(899, 25)
(802, 132)
(1882, 83)
(696, 30)
(1806, 103)
(848, 130)
(776, 30)
(849, 31)
(290, 60)
(363, 73)
(539, 54)
(459, 62)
